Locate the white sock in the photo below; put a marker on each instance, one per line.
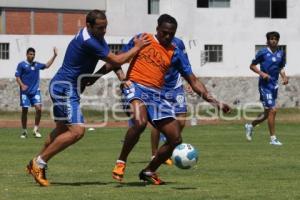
(152, 157)
(40, 162)
(273, 137)
(121, 161)
(36, 128)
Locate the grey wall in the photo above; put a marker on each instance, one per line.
(238, 92)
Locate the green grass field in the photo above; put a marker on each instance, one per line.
(228, 168)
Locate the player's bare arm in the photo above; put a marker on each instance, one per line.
(50, 62)
(21, 84)
(139, 43)
(201, 90)
(285, 79)
(255, 69)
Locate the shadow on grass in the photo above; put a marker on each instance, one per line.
(184, 188)
(141, 162)
(144, 184)
(79, 183)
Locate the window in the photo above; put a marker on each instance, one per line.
(4, 51)
(213, 53)
(153, 7)
(213, 3)
(270, 8)
(115, 48)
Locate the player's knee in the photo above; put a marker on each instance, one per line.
(38, 109)
(78, 133)
(140, 125)
(176, 141)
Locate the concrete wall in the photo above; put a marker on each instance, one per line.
(236, 28)
(105, 94)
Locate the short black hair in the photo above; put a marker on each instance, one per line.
(272, 34)
(166, 18)
(93, 15)
(30, 49)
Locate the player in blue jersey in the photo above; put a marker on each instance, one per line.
(28, 78)
(173, 91)
(81, 58)
(272, 63)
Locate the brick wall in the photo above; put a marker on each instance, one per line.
(45, 22)
(17, 22)
(72, 22)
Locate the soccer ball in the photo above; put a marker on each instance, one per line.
(185, 156)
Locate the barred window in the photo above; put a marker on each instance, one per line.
(115, 48)
(153, 7)
(271, 8)
(4, 51)
(213, 53)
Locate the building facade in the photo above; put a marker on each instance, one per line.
(221, 36)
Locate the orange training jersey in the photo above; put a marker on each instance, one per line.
(149, 66)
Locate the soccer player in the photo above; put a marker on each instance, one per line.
(272, 63)
(173, 90)
(82, 55)
(146, 73)
(28, 78)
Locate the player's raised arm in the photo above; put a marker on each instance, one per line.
(50, 62)
(139, 43)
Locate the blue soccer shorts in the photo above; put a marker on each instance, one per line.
(66, 103)
(28, 100)
(177, 99)
(268, 97)
(158, 108)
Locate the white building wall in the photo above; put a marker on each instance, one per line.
(236, 28)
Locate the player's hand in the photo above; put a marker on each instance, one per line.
(224, 107)
(189, 89)
(24, 87)
(125, 84)
(285, 80)
(265, 76)
(55, 51)
(87, 81)
(141, 41)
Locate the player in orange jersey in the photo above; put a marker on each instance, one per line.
(146, 75)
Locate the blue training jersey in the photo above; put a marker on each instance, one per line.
(172, 77)
(81, 57)
(180, 64)
(29, 74)
(270, 63)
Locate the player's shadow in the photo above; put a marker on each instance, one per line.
(130, 184)
(142, 162)
(184, 188)
(79, 183)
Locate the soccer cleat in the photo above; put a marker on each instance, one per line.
(275, 142)
(249, 131)
(39, 174)
(23, 135)
(118, 171)
(150, 177)
(168, 162)
(36, 134)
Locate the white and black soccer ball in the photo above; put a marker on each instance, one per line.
(185, 156)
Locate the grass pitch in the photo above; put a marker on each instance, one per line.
(229, 167)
